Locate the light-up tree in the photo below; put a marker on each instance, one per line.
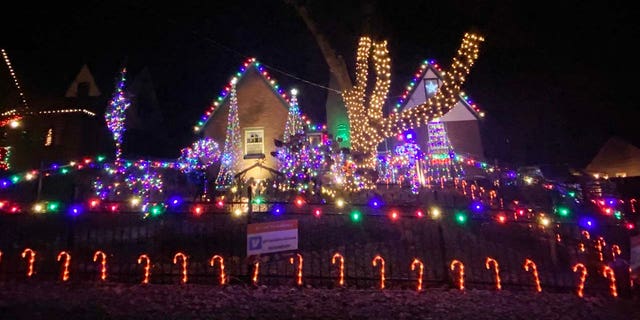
(294, 124)
(232, 152)
(368, 125)
(441, 157)
(116, 115)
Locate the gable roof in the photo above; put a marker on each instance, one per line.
(616, 156)
(83, 76)
(430, 67)
(249, 64)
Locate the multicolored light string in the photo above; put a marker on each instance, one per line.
(115, 115)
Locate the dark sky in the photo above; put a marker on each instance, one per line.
(556, 79)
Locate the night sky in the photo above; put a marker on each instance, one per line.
(555, 79)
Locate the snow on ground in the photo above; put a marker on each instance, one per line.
(120, 301)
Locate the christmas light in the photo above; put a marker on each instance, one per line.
(115, 115)
(103, 263)
(420, 265)
(299, 273)
(256, 270)
(341, 259)
(183, 257)
(65, 266)
(583, 277)
(460, 266)
(608, 273)
(31, 261)
(221, 260)
(375, 263)
(5, 56)
(147, 267)
(528, 263)
(496, 269)
(615, 251)
(600, 244)
(232, 152)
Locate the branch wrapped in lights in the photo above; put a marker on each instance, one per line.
(367, 124)
(116, 114)
(202, 154)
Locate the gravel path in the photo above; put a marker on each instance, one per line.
(119, 301)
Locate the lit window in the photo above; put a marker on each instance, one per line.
(48, 139)
(253, 141)
(621, 175)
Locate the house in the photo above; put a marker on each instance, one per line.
(461, 123)
(616, 159)
(262, 113)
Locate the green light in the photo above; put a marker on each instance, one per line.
(571, 194)
(15, 179)
(64, 170)
(562, 211)
(258, 200)
(53, 206)
(356, 216)
(461, 217)
(101, 158)
(618, 215)
(156, 210)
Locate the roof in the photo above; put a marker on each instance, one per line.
(249, 64)
(84, 76)
(616, 157)
(426, 66)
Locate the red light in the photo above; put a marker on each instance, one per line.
(394, 215)
(299, 202)
(197, 210)
(607, 211)
(521, 212)
(630, 226)
(2, 204)
(502, 218)
(419, 213)
(114, 208)
(220, 204)
(317, 212)
(15, 209)
(94, 203)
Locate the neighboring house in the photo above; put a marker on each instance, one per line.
(616, 159)
(59, 129)
(461, 122)
(262, 112)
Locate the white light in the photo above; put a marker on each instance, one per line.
(294, 91)
(14, 124)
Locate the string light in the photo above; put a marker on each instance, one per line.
(232, 152)
(15, 78)
(256, 270)
(115, 115)
(600, 244)
(615, 251)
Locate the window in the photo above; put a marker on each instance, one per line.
(621, 174)
(48, 139)
(254, 141)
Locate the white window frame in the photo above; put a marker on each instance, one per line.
(247, 132)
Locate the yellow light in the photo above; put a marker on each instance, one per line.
(339, 203)
(237, 212)
(545, 221)
(14, 124)
(38, 208)
(234, 189)
(135, 201)
(435, 213)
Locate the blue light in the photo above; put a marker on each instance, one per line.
(277, 209)
(477, 206)
(175, 201)
(587, 222)
(75, 210)
(375, 203)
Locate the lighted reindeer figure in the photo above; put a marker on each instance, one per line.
(368, 125)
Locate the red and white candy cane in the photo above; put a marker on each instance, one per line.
(528, 263)
(453, 265)
(183, 257)
(147, 267)
(341, 259)
(31, 261)
(212, 263)
(299, 273)
(65, 266)
(256, 270)
(496, 269)
(615, 251)
(420, 265)
(374, 262)
(600, 244)
(103, 263)
(583, 277)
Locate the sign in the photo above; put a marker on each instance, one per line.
(272, 237)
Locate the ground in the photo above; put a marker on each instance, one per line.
(120, 301)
